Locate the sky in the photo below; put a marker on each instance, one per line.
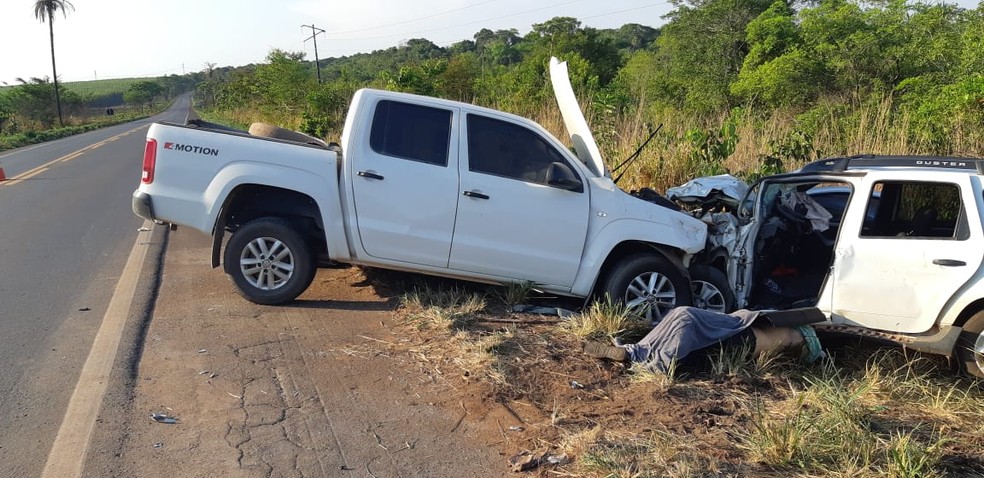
(102, 39)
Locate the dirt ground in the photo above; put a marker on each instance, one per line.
(343, 383)
(336, 384)
(292, 391)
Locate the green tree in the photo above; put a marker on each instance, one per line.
(31, 99)
(284, 81)
(6, 112)
(777, 71)
(44, 10)
(143, 92)
(701, 51)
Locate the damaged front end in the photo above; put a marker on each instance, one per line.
(769, 245)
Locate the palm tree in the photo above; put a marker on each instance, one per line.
(45, 10)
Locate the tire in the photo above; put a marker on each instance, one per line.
(276, 132)
(970, 346)
(648, 284)
(258, 278)
(711, 290)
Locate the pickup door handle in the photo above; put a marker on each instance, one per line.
(475, 194)
(949, 262)
(370, 175)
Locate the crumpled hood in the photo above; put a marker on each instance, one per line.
(728, 185)
(584, 142)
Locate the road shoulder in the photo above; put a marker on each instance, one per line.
(287, 391)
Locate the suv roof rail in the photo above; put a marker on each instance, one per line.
(839, 165)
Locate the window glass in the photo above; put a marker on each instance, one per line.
(414, 132)
(509, 150)
(906, 209)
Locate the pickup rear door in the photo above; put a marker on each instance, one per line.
(906, 247)
(510, 223)
(405, 182)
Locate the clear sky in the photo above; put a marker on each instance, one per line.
(131, 38)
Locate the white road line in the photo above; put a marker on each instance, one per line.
(67, 455)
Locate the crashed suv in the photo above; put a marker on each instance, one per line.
(887, 247)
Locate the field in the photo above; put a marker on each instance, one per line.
(98, 88)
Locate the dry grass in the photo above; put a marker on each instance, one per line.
(447, 308)
(604, 319)
(896, 416)
(865, 129)
(626, 455)
(863, 414)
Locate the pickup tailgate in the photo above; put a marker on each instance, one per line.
(194, 170)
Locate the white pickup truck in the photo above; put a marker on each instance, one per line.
(423, 185)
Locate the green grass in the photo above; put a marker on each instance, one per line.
(102, 87)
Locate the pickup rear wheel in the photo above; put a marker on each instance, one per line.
(269, 261)
(970, 346)
(648, 284)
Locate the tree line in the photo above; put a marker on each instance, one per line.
(746, 86)
(31, 104)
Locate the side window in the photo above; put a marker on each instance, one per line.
(414, 132)
(910, 209)
(509, 150)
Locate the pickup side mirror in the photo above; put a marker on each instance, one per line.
(559, 175)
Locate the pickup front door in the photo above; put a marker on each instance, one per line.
(405, 183)
(510, 223)
(900, 260)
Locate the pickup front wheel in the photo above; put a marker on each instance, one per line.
(970, 346)
(269, 262)
(648, 284)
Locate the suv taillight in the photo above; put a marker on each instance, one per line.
(149, 162)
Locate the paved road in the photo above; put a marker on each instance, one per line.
(65, 231)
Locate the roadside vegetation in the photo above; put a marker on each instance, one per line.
(752, 88)
(28, 110)
(861, 411)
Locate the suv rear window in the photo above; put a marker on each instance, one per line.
(915, 209)
(414, 132)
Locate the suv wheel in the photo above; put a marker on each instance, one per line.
(970, 346)
(269, 261)
(648, 284)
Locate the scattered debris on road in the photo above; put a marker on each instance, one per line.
(161, 417)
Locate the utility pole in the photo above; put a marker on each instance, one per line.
(314, 36)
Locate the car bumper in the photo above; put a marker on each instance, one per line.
(143, 205)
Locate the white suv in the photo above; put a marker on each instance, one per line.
(889, 247)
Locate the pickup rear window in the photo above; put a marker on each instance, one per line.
(414, 132)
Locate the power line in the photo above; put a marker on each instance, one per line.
(414, 19)
(656, 4)
(399, 35)
(314, 36)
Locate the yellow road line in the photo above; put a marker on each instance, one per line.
(24, 177)
(68, 157)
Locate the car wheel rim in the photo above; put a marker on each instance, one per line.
(651, 295)
(979, 351)
(708, 297)
(267, 263)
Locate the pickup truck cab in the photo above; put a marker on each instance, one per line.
(423, 185)
(888, 247)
